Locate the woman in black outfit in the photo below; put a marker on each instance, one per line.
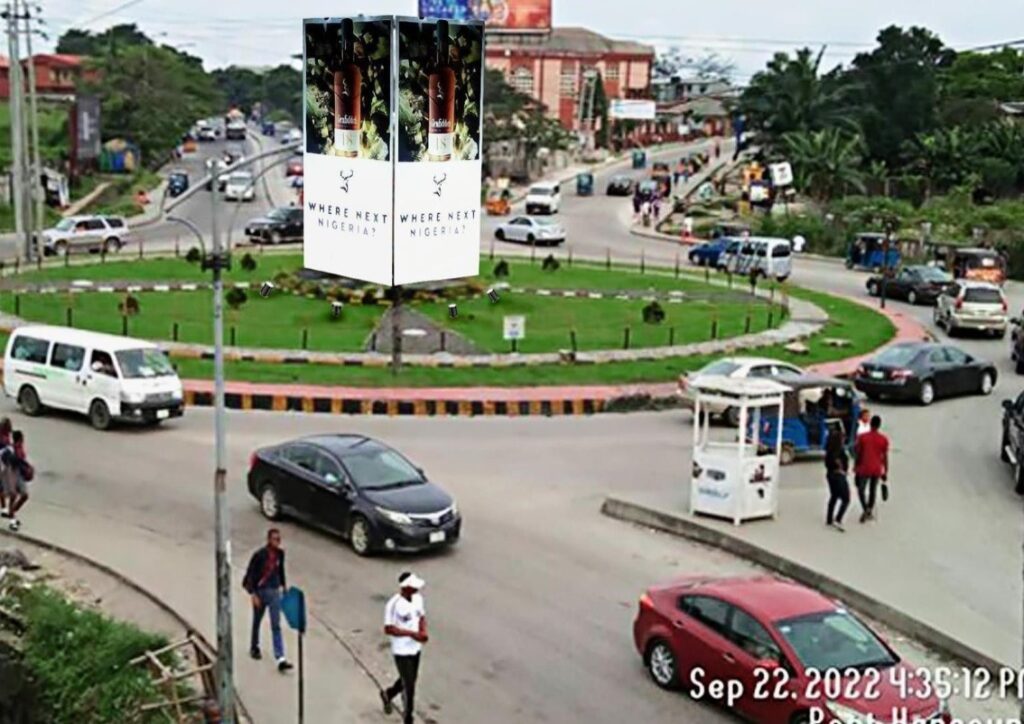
(837, 464)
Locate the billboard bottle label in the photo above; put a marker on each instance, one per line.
(441, 101)
(348, 92)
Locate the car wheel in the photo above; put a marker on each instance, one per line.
(99, 415)
(28, 401)
(1003, 444)
(1018, 478)
(731, 416)
(987, 383)
(270, 503)
(801, 718)
(849, 264)
(661, 664)
(359, 536)
(912, 297)
(499, 235)
(1019, 367)
(275, 238)
(873, 396)
(531, 238)
(927, 394)
(112, 244)
(873, 289)
(787, 456)
(1000, 334)
(60, 248)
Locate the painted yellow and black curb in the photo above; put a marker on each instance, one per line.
(397, 407)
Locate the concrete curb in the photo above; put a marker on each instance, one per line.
(871, 607)
(128, 583)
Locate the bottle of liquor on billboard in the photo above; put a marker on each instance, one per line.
(441, 97)
(348, 93)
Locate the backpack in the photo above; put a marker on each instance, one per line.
(27, 471)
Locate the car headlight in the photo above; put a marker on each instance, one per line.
(394, 516)
(176, 395)
(133, 398)
(846, 715)
(455, 509)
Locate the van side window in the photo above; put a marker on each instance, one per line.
(102, 363)
(67, 357)
(30, 349)
(781, 251)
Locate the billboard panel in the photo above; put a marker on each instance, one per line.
(438, 165)
(623, 108)
(508, 15)
(87, 128)
(348, 91)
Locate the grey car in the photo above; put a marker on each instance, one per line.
(531, 230)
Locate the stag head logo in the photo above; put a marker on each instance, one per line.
(438, 182)
(345, 176)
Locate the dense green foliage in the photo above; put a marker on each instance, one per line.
(278, 90)
(510, 114)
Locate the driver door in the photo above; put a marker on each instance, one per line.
(751, 657)
(966, 377)
(332, 494)
(943, 372)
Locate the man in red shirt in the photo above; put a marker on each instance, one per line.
(872, 454)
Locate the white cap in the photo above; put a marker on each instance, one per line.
(412, 581)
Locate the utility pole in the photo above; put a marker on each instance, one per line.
(17, 151)
(37, 219)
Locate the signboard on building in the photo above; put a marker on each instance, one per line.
(782, 174)
(514, 327)
(87, 128)
(499, 15)
(392, 198)
(637, 110)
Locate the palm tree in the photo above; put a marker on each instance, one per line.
(827, 162)
(946, 157)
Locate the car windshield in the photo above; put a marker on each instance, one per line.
(144, 363)
(541, 191)
(278, 214)
(65, 225)
(932, 274)
(983, 295)
(544, 222)
(240, 179)
(377, 468)
(834, 640)
(981, 261)
(898, 356)
(721, 367)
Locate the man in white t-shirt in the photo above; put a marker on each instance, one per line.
(405, 622)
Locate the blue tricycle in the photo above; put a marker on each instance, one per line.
(867, 251)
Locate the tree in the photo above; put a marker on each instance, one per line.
(971, 88)
(946, 157)
(792, 96)
(827, 163)
(83, 42)
(511, 115)
(602, 134)
(896, 89)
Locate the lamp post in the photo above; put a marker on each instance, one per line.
(218, 260)
(885, 264)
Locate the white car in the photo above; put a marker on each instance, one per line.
(543, 198)
(532, 230)
(85, 233)
(980, 306)
(737, 368)
(206, 133)
(240, 186)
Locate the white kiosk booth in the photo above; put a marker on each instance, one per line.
(739, 479)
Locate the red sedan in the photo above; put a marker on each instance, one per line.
(294, 168)
(777, 653)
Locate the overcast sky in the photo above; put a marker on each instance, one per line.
(266, 32)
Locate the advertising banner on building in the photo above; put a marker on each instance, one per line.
(437, 173)
(347, 193)
(87, 128)
(500, 15)
(637, 110)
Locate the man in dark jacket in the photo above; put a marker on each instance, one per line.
(265, 582)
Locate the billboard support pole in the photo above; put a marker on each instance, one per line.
(396, 330)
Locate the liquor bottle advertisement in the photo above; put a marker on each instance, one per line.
(437, 177)
(347, 199)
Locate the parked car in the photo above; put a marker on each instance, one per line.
(356, 486)
(240, 186)
(177, 182)
(532, 230)
(620, 186)
(708, 253)
(738, 368)
(294, 168)
(917, 284)
(543, 198)
(1011, 449)
(85, 233)
(924, 372)
(979, 306)
(697, 629)
(278, 226)
(103, 376)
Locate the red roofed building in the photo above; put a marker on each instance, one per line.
(56, 74)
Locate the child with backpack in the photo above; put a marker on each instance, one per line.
(16, 475)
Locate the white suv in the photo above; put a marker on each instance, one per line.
(972, 305)
(543, 198)
(85, 233)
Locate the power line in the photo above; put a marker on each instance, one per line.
(107, 13)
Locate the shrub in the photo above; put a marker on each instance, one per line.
(369, 297)
(501, 269)
(550, 263)
(236, 297)
(653, 313)
(194, 256)
(249, 262)
(129, 306)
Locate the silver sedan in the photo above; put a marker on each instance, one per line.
(532, 230)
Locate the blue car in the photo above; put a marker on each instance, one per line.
(707, 254)
(267, 128)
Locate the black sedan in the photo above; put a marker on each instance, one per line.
(620, 186)
(278, 226)
(922, 372)
(356, 486)
(916, 284)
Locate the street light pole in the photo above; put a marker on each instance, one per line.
(36, 215)
(885, 265)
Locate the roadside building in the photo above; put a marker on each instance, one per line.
(57, 74)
